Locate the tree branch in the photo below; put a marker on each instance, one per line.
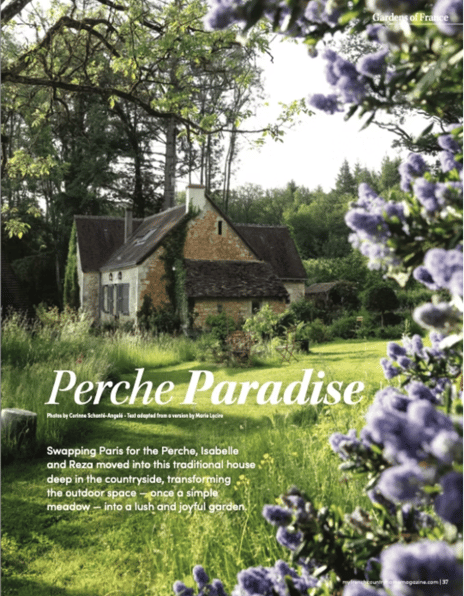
(12, 9)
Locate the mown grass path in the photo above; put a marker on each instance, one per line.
(128, 552)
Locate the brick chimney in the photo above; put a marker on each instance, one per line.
(127, 223)
(195, 197)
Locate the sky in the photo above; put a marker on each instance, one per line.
(313, 151)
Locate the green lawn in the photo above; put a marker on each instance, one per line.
(98, 552)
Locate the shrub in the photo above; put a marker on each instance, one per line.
(304, 310)
(154, 320)
(345, 327)
(318, 332)
(220, 325)
(264, 324)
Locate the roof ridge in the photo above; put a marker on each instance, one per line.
(262, 225)
(226, 260)
(115, 217)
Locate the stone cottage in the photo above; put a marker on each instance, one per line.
(222, 267)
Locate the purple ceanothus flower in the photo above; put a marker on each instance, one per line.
(290, 540)
(218, 587)
(448, 163)
(389, 370)
(425, 193)
(447, 446)
(276, 515)
(417, 345)
(222, 14)
(373, 31)
(325, 103)
(345, 68)
(448, 192)
(254, 581)
(271, 581)
(428, 418)
(442, 269)
(448, 16)
(394, 350)
(366, 224)
(406, 569)
(447, 143)
(367, 196)
(400, 436)
(417, 390)
(352, 89)
(405, 362)
(422, 275)
(403, 483)
(448, 505)
(200, 576)
(392, 398)
(180, 589)
(413, 167)
(392, 6)
(343, 444)
(316, 12)
(372, 64)
(392, 210)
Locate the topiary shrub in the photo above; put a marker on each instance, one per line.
(380, 298)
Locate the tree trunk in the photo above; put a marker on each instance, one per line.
(170, 165)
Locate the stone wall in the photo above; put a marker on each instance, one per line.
(205, 242)
(296, 290)
(237, 308)
(151, 281)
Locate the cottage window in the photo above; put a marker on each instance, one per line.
(255, 306)
(220, 227)
(122, 299)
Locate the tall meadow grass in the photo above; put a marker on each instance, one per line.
(143, 553)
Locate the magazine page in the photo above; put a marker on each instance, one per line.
(220, 387)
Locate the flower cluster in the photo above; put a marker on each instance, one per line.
(279, 580)
(433, 196)
(442, 269)
(273, 581)
(350, 81)
(427, 370)
(368, 220)
(419, 442)
(215, 588)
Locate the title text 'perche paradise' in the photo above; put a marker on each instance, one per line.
(202, 383)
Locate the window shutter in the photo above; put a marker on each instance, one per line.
(125, 298)
(110, 299)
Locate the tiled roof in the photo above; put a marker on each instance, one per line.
(98, 238)
(232, 279)
(145, 239)
(274, 245)
(321, 288)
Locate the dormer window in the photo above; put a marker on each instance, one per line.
(142, 238)
(220, 227)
